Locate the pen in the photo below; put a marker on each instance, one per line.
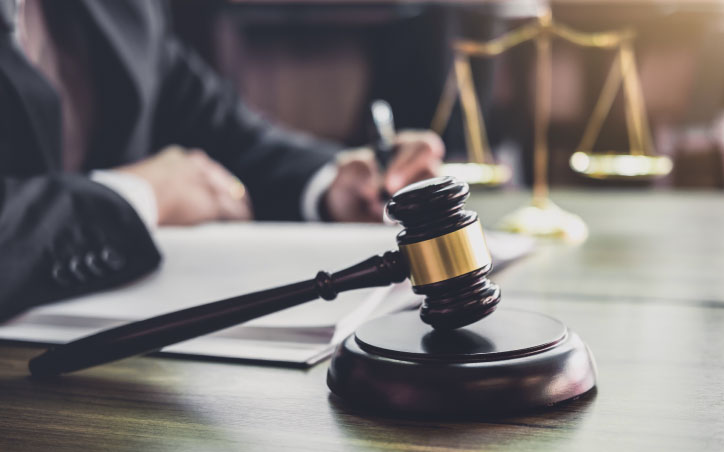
(383, 136)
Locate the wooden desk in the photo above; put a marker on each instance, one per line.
(646, 292)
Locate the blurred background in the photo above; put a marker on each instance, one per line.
(316, 66)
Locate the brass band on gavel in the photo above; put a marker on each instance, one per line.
(450, 255)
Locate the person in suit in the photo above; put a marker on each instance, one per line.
(109, 126)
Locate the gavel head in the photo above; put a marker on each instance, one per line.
(446, 252)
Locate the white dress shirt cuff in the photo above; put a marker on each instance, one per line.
(315, 189)
(136, 191)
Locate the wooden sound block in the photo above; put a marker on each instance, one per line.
(511, 361)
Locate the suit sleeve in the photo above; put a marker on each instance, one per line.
(63, 235)
(198, 109)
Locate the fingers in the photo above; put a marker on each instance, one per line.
(191, 188)
(416, 162)
(360, 171)
(228, 192)
(354, 194)
(231, 209)
(371, 206)
(362, 179)
(419, 155)
(225, 197)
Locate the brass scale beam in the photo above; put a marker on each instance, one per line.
(460, 82)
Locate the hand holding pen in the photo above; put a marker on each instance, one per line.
(414, 154)
(366, 176)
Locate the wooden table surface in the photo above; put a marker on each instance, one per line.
(646, 292)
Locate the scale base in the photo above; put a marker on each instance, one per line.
(512, 361)
(542, 218)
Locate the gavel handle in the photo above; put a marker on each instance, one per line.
(157, 332)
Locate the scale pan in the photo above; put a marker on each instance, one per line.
(478, 174)
(620, 166)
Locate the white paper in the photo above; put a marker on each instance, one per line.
(207, 263)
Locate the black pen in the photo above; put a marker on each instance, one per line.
(384, 134)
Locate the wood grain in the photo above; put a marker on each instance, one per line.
(645, 291)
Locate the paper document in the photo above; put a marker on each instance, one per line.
(216, 261)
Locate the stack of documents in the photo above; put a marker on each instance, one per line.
(211, 262)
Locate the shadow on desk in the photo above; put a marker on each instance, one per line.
(548, 426)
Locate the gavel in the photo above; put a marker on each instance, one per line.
(442, 250)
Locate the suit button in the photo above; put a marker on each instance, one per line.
(93, 264)
(74, 265)
(61, 275)
(112, 258)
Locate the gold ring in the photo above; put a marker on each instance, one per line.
(237, 190)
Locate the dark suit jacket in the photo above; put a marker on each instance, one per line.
(62, 234)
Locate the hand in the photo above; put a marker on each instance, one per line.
(355, 193)
(192, 188)
(418, 156)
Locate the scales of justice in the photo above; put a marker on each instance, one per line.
(542, 217)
